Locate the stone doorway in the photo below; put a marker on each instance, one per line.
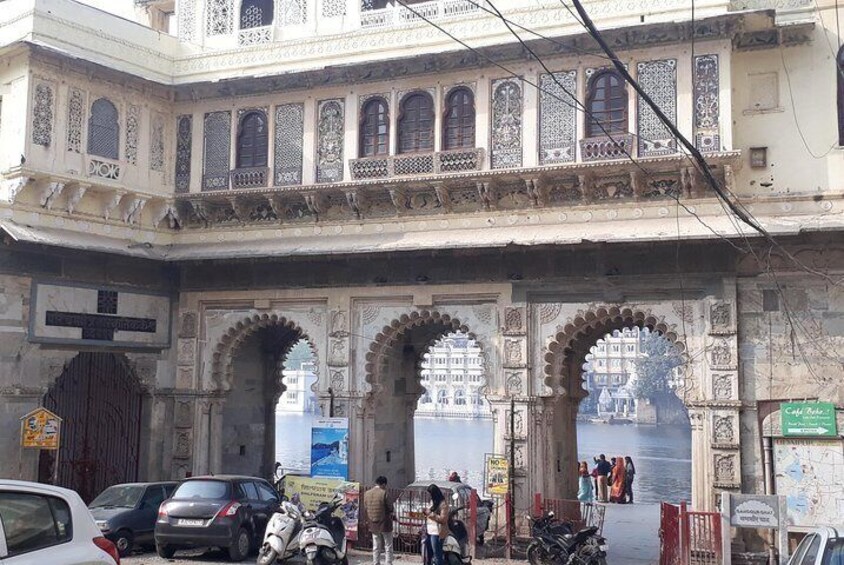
(100, 401)
(394, 371)
(255, 379)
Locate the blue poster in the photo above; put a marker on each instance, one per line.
(330, 448)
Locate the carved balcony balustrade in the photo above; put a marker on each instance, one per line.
(606, 148)
(250, 177)
(373, 198)
(397, 15)
(255, 36)
(100, 167)
(454, 161)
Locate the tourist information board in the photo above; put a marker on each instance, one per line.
(41, 429)
(808, 419)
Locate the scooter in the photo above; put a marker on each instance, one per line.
(281, 538)
(455, 546)
(323, 539)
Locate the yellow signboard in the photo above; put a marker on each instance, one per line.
(308, 493)
(497, 475)
(41, 428)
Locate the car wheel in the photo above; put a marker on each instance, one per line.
(239, 549)
(165, 551)
(124, 542)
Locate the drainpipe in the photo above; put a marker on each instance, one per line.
(767, 458)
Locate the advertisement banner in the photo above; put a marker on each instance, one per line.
(808, 419)
(496, 475)
(308, 493)
(40, 428)
(330, 448)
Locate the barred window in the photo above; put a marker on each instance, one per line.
(459, 126)
(104, 130)
(374, 128)
(607, 103)
(256, 13)
(416, 123)
(252, 140)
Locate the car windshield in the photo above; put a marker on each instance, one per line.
(203, 489)
(119, 496)
(834, 554)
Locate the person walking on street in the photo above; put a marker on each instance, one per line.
(630, 469)
(584, 490)
(379, 511)
(436, 524)
(603, 469)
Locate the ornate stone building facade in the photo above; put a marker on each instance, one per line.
(183, 210)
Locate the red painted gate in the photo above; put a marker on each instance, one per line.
(670, 548)
(689, 538)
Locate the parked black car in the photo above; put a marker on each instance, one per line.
(126, 513)
(230, 512)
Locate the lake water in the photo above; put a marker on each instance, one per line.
(662, 454)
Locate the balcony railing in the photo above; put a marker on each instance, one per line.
(605, 148)
(250, 177)
(455, 161)
(103, 168)
(255, 36)
(433, 10)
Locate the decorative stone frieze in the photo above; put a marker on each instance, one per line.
(289, 143)
(721, 318)
(557, 118)
(330, 131)
(75, 119)
(133, 126)
(188, 324)
(215, 170)
(514, 320)
(724, 429)
(184, 142)
(507, 105)
(43, 110)
(723, 386)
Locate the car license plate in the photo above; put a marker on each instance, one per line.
(186, 522)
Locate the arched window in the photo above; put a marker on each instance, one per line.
(104, 130)
(252, 140)
(839, 71)
(374, 128)
(607, 103)
(256, 13)
(459, 123)
(416, 123)
(459, 398)
(426, 398)
(442, 398)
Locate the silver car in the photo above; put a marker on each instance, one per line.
(822, 546)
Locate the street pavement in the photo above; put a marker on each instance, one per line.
(632, 532)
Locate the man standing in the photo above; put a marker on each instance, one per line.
(379, 511)
(603, 469)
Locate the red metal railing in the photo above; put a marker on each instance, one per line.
(689, 538)
(579, 514)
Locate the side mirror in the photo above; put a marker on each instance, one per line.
(551, 514)
(455, 497)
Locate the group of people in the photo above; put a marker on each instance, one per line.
(381, 513)
(611, 480)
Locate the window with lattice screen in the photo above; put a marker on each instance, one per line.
(104, 130)
(256, 13)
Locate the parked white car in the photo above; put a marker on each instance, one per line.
(46, 524)
(822, 546)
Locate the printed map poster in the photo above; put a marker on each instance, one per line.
(308, 493)
(330, 448)
(809, 473)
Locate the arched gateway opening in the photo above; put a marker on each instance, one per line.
(394, 369)
(565, 362)
(254, 381)
(99, 400)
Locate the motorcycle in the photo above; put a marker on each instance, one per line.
(455, 546)
(323, 539)
(555, 544)
(281, 538)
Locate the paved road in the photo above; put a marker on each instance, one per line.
(632, 532)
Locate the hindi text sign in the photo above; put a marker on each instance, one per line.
(40, 429)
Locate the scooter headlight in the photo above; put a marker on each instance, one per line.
(604, 547)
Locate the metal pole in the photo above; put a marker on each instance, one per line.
(330, 402)
(511, 519)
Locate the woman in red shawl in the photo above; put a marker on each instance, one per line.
(619, 482)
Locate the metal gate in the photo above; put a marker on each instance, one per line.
(670, 548)
(99, 401)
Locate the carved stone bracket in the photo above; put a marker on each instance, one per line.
(315, 203)
(399, 199)
(443, 196)
(74, 196)
(11, 188)
(537, 191)
(111, 202)
(132, 208)
(355, 200)
(486, 195)
(49, 193)
(166, 210)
